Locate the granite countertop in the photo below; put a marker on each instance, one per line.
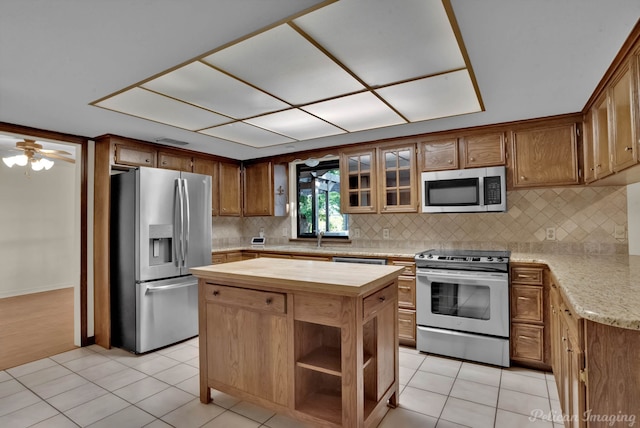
(600, 288)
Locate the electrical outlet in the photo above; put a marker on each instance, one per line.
(620, 231)
(385, 233)
(551, 234)
(356, 232)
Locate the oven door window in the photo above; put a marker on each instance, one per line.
(461, 300)
(456, 192)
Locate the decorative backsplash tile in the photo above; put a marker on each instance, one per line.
(583, 220)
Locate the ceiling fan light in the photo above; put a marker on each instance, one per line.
(21, 160)
(46, 163)
(37, 165)
(10, 161)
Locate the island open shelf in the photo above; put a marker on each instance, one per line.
(316, 341)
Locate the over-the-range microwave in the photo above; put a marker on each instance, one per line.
(464, 190)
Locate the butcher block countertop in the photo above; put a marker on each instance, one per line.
(345, 279)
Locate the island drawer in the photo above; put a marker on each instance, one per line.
(319, 309)
(373, 303)
(265, 301)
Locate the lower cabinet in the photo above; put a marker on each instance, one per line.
(406, 301)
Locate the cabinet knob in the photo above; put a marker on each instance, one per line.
(147, 160)
(522, 177)
(628, 149)
(216, 293)
(269, 300)
(591, 169)
(449, 161)
(599, 166)
(382, 298)
(472, 159)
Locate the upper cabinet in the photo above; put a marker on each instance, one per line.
(438, 155)
(178, 162)
(128, 154)
(209, 167)
(229, 189)
(358, 181)
(623, 122)
(600, 134)
(398, 187)
(482, 150)
(469, 151)
(258, 189)
(544, 156)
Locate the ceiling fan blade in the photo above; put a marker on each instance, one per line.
(50, 151)
(56, 156)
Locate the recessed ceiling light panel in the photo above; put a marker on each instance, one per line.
(249, 135)
(148, 105)
(445, 95)
(200, 84)
(296, 124)
(385, 42)
(356, 112)
(286, 65)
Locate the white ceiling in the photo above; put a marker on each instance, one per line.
(530, 59)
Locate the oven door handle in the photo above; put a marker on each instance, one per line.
(448, 276)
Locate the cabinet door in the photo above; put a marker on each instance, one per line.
(588, 148)
(527, 342)
(209, 167)
(254, 344)
(545, 156)
(600, 123)
(175, 161)
(358, 182)
(229, 189)
(407, 292)
(483, 150)
(575, 388)
(622, 131)
(398, 189)
(526, 303)
(134, 155)
(258, 189)
(439, 155)
(407, 327)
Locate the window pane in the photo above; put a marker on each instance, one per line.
(353, 182)
(392, 198)
(353, 164)
(390, 160)
(364, 199)
(404, 159)
(364, 181)
(404, 177)
(405, 197)
(391, 179)
(365, 163)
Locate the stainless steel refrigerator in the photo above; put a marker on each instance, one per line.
(160, 227)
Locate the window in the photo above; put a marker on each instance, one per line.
(318, 201)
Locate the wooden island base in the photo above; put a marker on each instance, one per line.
(316, 341)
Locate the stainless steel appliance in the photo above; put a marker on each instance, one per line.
(360, 260)
(160, 227)
(462, 304)
(464, 190)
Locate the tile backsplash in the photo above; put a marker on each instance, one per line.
(581, 219)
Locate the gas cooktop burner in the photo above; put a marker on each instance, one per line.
(462, 258)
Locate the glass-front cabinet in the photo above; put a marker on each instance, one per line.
(359, 183)
(398, 176)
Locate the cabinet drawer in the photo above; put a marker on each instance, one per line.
(527, 342)
(324, 310)
(409, 267)
(265, 301)
(527, 275)
(218, 258)
(526, 303)
(407, 325)
(373, 303)
(407, 292)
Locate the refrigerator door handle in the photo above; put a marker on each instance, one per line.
(152, 288)
(178, 225)
(187, 226)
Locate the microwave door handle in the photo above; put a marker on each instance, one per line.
(481, 198)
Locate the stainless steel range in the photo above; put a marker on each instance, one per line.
(462, 302)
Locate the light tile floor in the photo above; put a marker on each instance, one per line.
(96, 387)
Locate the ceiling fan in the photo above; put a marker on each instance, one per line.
(35, 155)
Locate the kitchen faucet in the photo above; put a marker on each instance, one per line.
(320, 235)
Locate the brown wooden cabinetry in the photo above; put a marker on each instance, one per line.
(406, 301)
(623, 123)
(529, 324)
(134, 155)
(397, 172)
(483, 150)
(439, 155)
(178, 162)
(209, 167)
(600, 126)
(358, 188)
(544, 156)
(258, 189)
(229, 189)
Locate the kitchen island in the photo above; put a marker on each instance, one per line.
(313, 340)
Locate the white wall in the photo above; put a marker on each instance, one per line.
(633, 218)
(39, 229)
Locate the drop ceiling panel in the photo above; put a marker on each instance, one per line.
(296, 124)
(200, 84)
(286, 65)
(386, 42)
(148, 105)
(449, 94)
(249, 135)
(356, 112)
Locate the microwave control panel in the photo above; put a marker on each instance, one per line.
(492, 192)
